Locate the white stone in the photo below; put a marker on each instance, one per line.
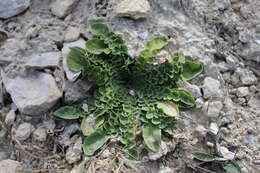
(10, 117)
(213, 127)
(231, 63)
(44, 60)
(33, 94)
(214, 109)
(72, 76)
(72, 34)
(10, 8)
(74, 152)
(135, 9)
(61, 8)
(226, 153)
(40, 134)
(211, 88)
(242, 91)
(194, 90)
(247, 77)
(24, 131)
(9, 166)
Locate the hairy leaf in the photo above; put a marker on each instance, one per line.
(68, 113)
(96, 46)
(76, 59)
(169, 108)
(99, 29)
(93, 142)
(152, 137)
(191, 70)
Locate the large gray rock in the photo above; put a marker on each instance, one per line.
(62, 8)
(34, 94)
(9, 166)
(24, 131)
(135, 9)
(72, 76)
(44, 60)
(10, 8)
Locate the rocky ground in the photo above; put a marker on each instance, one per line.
(35, 37)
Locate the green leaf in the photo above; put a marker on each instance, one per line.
(152, 47)
(156, 43)
(76, 59)
(99, 29)
(131, 154)
(96, 46)
(93, 142)
(88, 125)
(231, 167)
(68, 113)
(152, 137)
(205, 157)
(186, 98)
(191, 70)
(169, 108)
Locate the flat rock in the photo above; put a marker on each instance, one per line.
(40, 134)
(34, 94)
(72, 76)
(62, 8)
(24, 131)
(71, 34)
(214, 108)
(10, 8)
(211, 88)
(74, 152)
(10, 117)
(9, 166)
(135, 9)
(44, 60)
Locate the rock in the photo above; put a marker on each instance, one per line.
(88, 125)
(226, 153)
(74, 152)
(222, 4)
(247, 77)
(222, 66)
(231, 63)
(40, 134)
(194, 90)
(3, 156)
(211, 88)
(135, 9)
(214, 109)
(72, 34)
(62, 8)
(156, 155)
(242, 91)
(10, 117)
(9, 166)
(72, 76)
(44, 60)
(24, 131)
(10, 8)
(33, 94)
(213, 127)
(77, 91)
(199, 103)
(81, 168)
